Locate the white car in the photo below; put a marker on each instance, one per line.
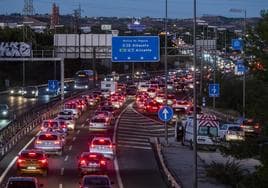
(231, 132)
(100, 123)
(69, 121)
(102, 145)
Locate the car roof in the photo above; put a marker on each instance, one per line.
(33, 179)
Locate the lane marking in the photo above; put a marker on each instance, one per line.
(62, 171)
(74, 138)
(66, 158)
(60, 185)
(3, 175)
(70, 147)
(77, 132)
(135, 143)
(82, 125)
(116, 166)
(134, 147)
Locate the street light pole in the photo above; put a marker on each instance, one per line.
(195, 183)
(166, 76)
(243, 55)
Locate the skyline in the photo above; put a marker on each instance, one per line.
(140, 8)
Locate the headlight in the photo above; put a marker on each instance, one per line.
(47, 89)
(25, 92)
(75, 86)
(12, 91)
(33, 92)
(4, 112)
(86, 87)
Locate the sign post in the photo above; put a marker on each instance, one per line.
(135, 49)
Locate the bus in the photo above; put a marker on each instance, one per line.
(84, 79)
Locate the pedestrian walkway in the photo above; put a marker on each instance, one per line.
(135, 130)
(179, 160)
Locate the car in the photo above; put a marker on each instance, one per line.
(4, 111)
(23, 182)
(68, 121)
(109, 108)
(94, 181)
(56, 125)
(152, 107)
(32, 161)
(71, 105)
(251, 127)
(178, 105)
(31, 92)
(102, 145)
(234, 133)
(50, 143)
(16, 91)
(67, 114)
(89, 163)
(152, 92)
(100, 122)
(105, 93)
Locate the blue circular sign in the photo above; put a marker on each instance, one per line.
(165, 113)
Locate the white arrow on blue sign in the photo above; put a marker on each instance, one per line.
(214, 90)
(53, 85)
(165, 113)
(237, 44)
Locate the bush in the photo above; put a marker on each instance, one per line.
(229, 173)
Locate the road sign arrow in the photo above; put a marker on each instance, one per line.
(165, 112)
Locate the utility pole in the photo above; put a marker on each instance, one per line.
(195, 183)
(166, 75)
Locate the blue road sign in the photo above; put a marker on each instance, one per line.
(237, 44)
(135, 49)
(53, 85)
(165, 113)
(214, 90)
(240, 67)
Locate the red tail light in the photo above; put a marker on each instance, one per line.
(110, 146)
(64, 126)
(20, 160)
(256, 126)
(43, 161)
(92, 145)
(102, 162)
(83, 162)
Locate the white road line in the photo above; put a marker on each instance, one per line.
(134, 147)
(77, 132)
(125, 142)
(116, 166)
(3, 175)
(62, 171)
(74, 138)
(60, 185)
(121, 137)
(82, 125)
(66, 158)
(70, 147)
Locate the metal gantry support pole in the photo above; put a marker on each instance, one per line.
(215, 66)
(62, 78)
(166, 75)
(244, 75)
(195, 183)
(23, 63)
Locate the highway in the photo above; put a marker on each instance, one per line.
(135, 157)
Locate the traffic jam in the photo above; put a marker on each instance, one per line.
(95, 113)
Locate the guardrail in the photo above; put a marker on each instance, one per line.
(170, 179)
(12, 133)
(224, 116)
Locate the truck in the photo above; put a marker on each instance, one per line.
(207, 131)
(109, 85)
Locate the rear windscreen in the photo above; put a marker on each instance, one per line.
(48, 137)
(101, 142)
(21, 184)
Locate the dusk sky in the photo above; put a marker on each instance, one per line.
(141, 8)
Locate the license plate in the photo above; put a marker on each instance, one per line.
(93, 165)
(31, 168)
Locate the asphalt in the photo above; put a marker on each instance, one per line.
(137, 164)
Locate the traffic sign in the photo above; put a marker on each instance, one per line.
(165, 113)
(214, 90)
(53, 85)
(237, 44)
(240, 67)
(135, 49)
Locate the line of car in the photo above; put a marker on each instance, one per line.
(92, 164)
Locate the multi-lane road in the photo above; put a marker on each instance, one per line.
(134, 165)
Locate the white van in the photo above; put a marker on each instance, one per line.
(207, 131)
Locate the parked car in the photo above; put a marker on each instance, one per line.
(231, 132)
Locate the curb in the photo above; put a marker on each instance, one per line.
(171, 180)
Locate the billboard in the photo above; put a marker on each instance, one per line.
(15, 49)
